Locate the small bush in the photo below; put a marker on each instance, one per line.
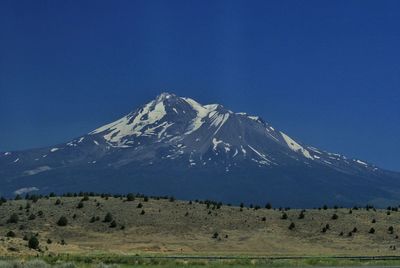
(130, 197)
(301, 215)
(58, 202)
(113, 224)
(291, 226)
(108, 217)
(80, 205)
(284, 216)
(13, 218)
(33, 243)
(371, 231)
(390, 229)
(10, 234)
(335, 217)
(62, 221)
(31, 217)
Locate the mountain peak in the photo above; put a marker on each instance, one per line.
(164, 96)
(177, 137)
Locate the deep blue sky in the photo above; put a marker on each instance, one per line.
(325, 72)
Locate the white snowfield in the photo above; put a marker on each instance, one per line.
(26, 190)
(295, 146)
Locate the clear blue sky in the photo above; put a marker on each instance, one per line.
(325, 72)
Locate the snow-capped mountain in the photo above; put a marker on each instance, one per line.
(177, 146)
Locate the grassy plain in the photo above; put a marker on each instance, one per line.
(161, 228)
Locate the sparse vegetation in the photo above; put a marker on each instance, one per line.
(246, 229)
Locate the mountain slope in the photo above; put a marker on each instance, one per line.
(176, 146)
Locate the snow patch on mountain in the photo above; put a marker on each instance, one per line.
(132, 125)
(202, 112)
(26, 190)
(293, 145)
(37, 170)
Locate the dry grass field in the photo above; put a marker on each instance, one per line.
(165, 227)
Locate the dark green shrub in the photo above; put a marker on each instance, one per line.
(335, 217)
(108, 217)
(301, 215)
(33, 242)
(10, 234)
(284, 216)
(13, 218)
(291, 226)
(130, 197)
(371, 231)
(62, 221)
(80, 205)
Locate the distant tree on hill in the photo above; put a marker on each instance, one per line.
(268, 206)
(325, 207)
(130, 197)
(301, 215)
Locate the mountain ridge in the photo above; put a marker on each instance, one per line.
(178, 138)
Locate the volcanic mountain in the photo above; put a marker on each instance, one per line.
(176, 146)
